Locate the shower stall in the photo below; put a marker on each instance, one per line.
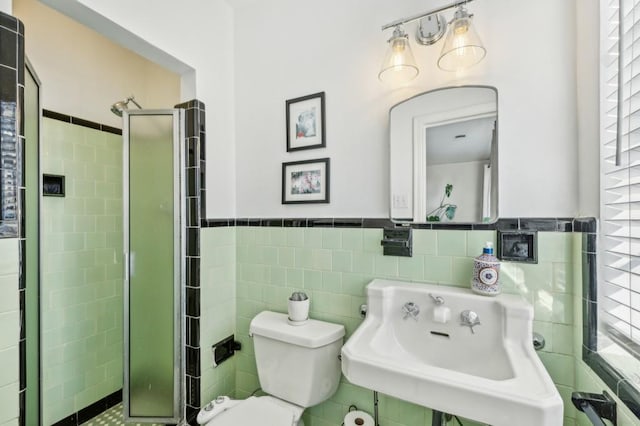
(113, 255)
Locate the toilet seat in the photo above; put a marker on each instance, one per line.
(263, 411)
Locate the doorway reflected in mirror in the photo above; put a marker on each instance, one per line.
(446, 138)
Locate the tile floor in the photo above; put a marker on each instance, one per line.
(113, 417)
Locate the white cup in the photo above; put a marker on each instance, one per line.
(298, 310)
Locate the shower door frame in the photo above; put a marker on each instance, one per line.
(179, 250)
(37, 340)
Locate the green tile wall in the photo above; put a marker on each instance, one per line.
(81, 294)
(334, 265)
(217, 309)
(9, 332)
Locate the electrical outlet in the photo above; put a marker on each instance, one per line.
(400, 201)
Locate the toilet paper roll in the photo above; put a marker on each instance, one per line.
(358, 418)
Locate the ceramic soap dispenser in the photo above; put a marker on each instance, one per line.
(486, 272)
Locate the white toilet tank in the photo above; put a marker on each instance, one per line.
(297, 363)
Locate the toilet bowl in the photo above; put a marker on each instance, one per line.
(298, 367)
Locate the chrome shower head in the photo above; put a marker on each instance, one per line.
(120, 106)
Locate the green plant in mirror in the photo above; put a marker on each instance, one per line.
(444, 210)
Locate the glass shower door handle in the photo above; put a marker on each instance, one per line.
(129, 265)
(132, 264)
(125, 262)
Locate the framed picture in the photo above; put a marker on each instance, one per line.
(518, 246)
(305, 122)
(305, 181)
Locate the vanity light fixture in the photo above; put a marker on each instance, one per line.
(399, 65)
(462, 47)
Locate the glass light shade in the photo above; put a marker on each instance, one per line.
(398, 66)
(462, 47)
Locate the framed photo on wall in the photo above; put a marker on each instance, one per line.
(305, 181)
(518, 246)
(305, 122)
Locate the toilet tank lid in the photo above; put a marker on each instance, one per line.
(312, 334)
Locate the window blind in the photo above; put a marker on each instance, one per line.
(619, 285)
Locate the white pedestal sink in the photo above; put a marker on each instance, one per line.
(489, 372)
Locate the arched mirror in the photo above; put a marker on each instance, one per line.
(444, 156)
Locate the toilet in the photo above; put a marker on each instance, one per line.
(298, 367)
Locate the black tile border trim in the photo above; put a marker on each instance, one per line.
(12, 137)
(92, 410)
(523, 224)
(195, 188)
(80, 122)
(12, 145)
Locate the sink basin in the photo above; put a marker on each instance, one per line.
(488, 373)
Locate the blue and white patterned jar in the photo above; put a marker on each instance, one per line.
(486, 273)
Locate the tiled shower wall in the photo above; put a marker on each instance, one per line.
(333, 265)
(9, 332)
(81, 288)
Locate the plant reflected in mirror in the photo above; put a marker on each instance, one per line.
(447, 210)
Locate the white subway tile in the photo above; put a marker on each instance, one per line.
(9, 329)
(9, 402)
(9, 256)
(9, 365)
(9, 294)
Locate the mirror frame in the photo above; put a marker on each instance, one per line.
(496, 196)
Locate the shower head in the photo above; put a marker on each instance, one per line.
(120, 106)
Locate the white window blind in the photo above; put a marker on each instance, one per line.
(619, 280)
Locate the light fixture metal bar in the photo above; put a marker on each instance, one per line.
(422, 15)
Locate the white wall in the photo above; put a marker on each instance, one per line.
(587, 78)
(6, 6)
(289, 48)
(195, 36)
(467, 180)
(280, 49)
(83, 73)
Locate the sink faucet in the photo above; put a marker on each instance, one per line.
(410, 309)
(438, 300)
(470, 319)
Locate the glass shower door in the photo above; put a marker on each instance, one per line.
(153, 248)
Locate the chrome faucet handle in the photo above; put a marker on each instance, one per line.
(470, 319)
(410, 309)
(437, 299)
